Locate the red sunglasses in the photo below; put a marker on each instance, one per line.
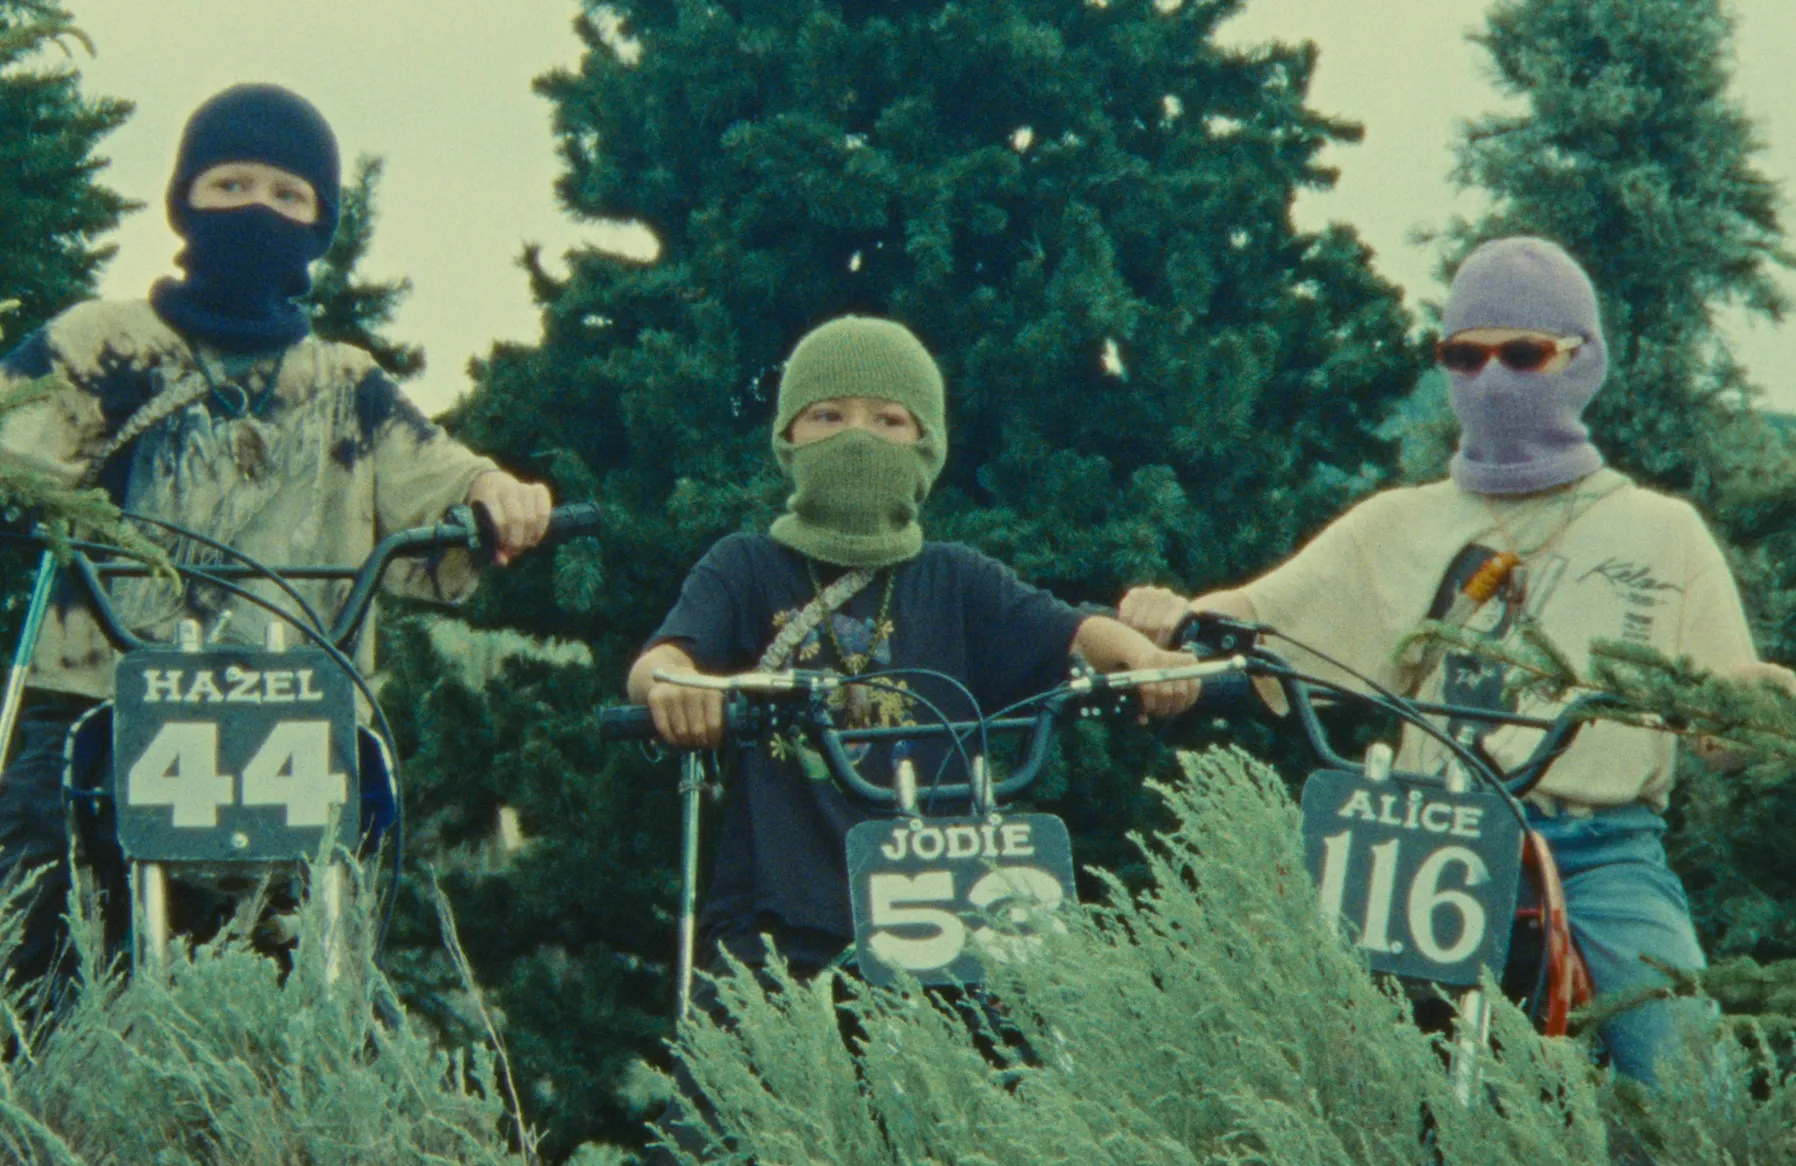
(1466, 356)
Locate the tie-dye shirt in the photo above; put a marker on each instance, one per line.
(304, 458)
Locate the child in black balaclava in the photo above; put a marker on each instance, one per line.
(246, 264)
(213, 408)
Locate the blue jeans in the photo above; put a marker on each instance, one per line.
(1624, 902)
(34, 833)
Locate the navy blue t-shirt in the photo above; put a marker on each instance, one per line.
(781, 866)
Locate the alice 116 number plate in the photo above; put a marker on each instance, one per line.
(233, 755)
(1423, 880)
(931, 894)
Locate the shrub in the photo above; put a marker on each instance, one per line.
(230, 1059)
(1212, 1018)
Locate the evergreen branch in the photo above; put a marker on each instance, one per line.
(1536, 666)
(45, 24)
(65, 511)
(68, 513)
(1752, 721)
(1748, 992)
(527, 1138)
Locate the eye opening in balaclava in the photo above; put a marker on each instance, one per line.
(1523, 432)
(245, 265)
(857, 495)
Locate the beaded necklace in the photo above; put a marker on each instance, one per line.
(856, 663)
(857, 702)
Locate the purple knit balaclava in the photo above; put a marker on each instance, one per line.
(1521, 432)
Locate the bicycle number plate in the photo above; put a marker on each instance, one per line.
(930, 894)
(1424, 880)
(232, 755)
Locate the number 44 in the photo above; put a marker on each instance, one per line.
(179, 769)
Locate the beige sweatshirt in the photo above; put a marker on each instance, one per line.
(312, 472)
(1605, 559)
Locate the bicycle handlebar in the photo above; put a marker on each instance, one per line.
(1203, 631)
(775, 701)
(464, 527)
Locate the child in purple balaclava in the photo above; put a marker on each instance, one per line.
(1569, 544)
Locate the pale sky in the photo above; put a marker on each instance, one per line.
(441, 89)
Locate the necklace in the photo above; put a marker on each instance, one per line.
(246, 404)
(856, 663)
(857, 702)
(1509, 570)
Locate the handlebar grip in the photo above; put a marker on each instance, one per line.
(573, 520)
(472, 526)
(626, 722)
(1227, 696)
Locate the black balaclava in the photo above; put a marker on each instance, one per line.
(245, 266)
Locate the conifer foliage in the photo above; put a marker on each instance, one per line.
(347, 307)
(1633, 152)
(1212, 1018)
(1081, 208)
(52, 209)
(228, 1058)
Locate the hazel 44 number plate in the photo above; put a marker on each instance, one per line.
(233, 756)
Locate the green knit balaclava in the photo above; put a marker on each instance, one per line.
(856, 494)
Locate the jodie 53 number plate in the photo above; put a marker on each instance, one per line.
(930, 893)
(232, 756)
(1423, 880)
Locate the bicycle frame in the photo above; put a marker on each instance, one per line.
(296, 763)
(905, 866)
(1562, 983)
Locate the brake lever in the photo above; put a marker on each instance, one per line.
(1138, 677)
(1211, 634)
(483, 533)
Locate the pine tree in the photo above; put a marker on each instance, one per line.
(348, 308)
(1633, 153)
(1083, 210)
(52, 208)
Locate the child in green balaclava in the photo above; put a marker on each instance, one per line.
(845, 581)
(859, 486)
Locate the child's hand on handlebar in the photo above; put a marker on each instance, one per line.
(686, 717)
(1110, 646)
(1168, 697)
(519, 511)
(1155, 612)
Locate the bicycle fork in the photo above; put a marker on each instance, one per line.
(692, 784)
(29, 634)
(1471, 1023)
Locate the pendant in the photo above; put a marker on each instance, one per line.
(1515, 589)
(857, 704)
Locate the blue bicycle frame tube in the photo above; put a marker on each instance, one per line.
(27, 648)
